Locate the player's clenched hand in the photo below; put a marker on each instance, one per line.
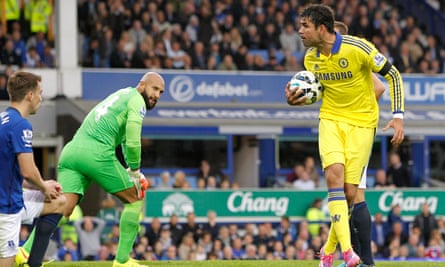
(50, 190)
(56, 186)
(294, 97)
(399, 134)
(139, 180)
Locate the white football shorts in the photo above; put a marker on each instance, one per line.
(34, 201)
(9, 234)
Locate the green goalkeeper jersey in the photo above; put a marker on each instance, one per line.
(117, 120)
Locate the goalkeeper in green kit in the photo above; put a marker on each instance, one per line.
(90, 157)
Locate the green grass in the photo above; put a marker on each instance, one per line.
(240, 263)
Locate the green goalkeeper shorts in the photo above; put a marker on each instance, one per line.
(81, 164)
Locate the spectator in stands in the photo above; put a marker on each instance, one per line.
(206, 170)
(290, 62)
(119, 58)
(158, 251)
(9, 56)
(180, 180)
(177, 55)
(316, 243)
(394, 215)
(304, 182)
(286, 227)
(227, 63)
(165, 181)
(192, 227)
(379, 230)
(170, 254)
(252, 39)
(290, 253)
(89, 230)
(272, 64)
(251, 253)
(175, 229)
(69, 247)
(153, 233)
(291, 40)
(114, 235)
(225, 184)
(206, 241)
(397, 173)
(39, 42)
(48, 60)
(380, 180)
(211, 226)
(426, 222)
(217, 249)
(394, 239)
(166, 239)
(68, 230)
(137, 34)
(187, 245)
(315, 216)
(309, 166)
(19, 45)
(237, 248)
(227, 253)
(224, 236)
(110, 214)
(264, 236)
(278, 250)
(414, 246)
(441, 226)
(199, 57)
(434, 250)
(295, 174)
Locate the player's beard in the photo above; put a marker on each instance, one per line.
(148, 106)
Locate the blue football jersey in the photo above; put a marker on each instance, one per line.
(15, 138)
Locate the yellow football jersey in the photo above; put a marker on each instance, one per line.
(347, 80)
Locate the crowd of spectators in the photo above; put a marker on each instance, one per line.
(227, 35)
(218, 35)
(392, 238)
(215, 35)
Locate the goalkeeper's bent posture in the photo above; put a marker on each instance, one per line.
(90, 156)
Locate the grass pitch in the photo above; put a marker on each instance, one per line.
(241, 263)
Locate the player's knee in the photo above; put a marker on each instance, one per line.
(60, 204)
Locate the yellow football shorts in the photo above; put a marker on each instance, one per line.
(343, 143)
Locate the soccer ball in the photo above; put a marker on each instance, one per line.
(311, 86)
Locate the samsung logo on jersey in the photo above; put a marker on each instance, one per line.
(334, 76)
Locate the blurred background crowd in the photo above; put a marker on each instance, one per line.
(210, 34)
(96, 238)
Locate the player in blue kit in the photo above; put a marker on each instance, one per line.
(17, 160)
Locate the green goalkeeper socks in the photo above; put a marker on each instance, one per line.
(128, 227)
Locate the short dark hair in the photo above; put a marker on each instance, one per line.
(20, 83)
(320, 15)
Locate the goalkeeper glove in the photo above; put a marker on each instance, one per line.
(139, 181)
